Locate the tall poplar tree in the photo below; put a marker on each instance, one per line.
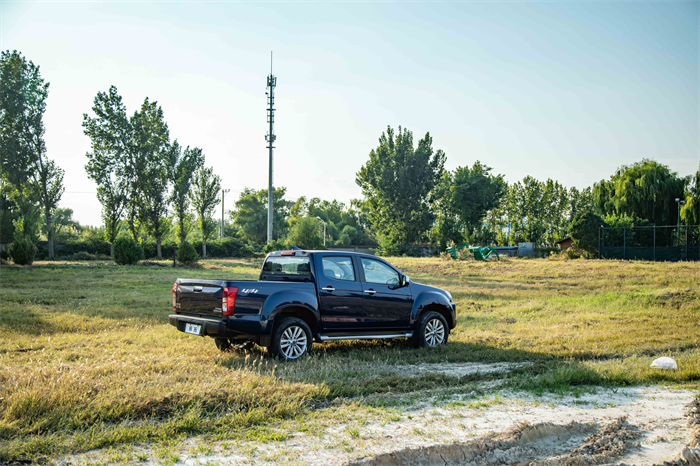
(185, 165)
(155, 160)
(205, 197)
(28, 176)
(397, 182)
(109, 163)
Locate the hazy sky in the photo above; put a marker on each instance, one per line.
(567, 90)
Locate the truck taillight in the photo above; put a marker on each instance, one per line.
(228, 300)
(175, 297)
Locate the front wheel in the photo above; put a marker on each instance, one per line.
(291, 339)
(432, 330)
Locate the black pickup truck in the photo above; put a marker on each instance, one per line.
(304, 296)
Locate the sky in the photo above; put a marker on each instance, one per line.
(562, 90)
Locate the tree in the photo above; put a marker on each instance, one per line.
(23, 95)
(690, 212)
(472, 193)
(48, 186)
(304, 233)
(8, 215)
(111, 162)
(250, 214)
(185, 165)
(155, 158)
(645, 189)
(585, 230)
(64, 226)
(205, 197)
(446, 228)
(397, 183)
(580, 201)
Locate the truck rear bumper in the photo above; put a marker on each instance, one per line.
(216, 328)
(210, 326)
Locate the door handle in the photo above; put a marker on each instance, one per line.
(370, 292)
(328, 288)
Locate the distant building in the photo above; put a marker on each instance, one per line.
(567, 243)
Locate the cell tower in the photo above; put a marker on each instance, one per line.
(270, 138)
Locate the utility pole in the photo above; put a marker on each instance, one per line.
(324, 230)
(223, 193)
(270, 138)
(680, 203)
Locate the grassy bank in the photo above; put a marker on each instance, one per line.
(87, 359)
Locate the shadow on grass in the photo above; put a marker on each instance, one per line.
(365, 368)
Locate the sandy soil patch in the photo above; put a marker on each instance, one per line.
(638, 425)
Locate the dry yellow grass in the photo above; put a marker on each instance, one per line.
(87, 359)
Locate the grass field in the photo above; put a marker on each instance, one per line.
(87, 359)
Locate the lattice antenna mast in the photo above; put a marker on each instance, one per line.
(270, 138)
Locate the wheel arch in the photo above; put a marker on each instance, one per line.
(433, 302)
(300, 312)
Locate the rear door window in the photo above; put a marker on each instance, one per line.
(338, 268)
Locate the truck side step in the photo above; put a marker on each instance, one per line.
(364, 336)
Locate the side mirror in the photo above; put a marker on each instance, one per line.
(405, 280)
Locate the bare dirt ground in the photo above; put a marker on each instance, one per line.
(632, 426)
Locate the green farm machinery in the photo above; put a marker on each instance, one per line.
(479, 253)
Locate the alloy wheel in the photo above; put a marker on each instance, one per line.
(293, 342)
(434, 332)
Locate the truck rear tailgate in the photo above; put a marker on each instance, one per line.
(199, 297)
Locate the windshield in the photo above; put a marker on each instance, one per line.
(289, 266)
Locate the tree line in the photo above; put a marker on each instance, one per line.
(141, 175)
(151, 187)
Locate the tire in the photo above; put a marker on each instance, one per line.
(291, 339)
(432, 330)
(223, 344)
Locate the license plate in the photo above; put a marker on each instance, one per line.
(193, 329)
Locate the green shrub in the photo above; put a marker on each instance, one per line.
(150, 250)
(187, 255)
(4, 255)
(275, 245)
(225, 247)
(83, 256)
(127, 251)
(22, 252)
(584, 231)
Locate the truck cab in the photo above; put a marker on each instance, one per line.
(305, 296)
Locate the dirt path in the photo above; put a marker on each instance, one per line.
(639, 425)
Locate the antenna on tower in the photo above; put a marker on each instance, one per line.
(270, 138)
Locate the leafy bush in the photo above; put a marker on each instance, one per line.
(584, 231)
(225, 247)
(83, 256)
(572, 254)
(127, 251)
(546, 251)
(150, 250)
(4, 255)
(22, 252)
(304, 233)
(275, 245)
(187, 255)
(389, 248)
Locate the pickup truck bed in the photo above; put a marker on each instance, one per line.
(313, 295)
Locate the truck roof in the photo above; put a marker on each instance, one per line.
(306, 252)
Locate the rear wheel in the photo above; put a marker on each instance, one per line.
(432, 330)
(291, 339)
(223, 344)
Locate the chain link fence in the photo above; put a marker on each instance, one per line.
(652, 243)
